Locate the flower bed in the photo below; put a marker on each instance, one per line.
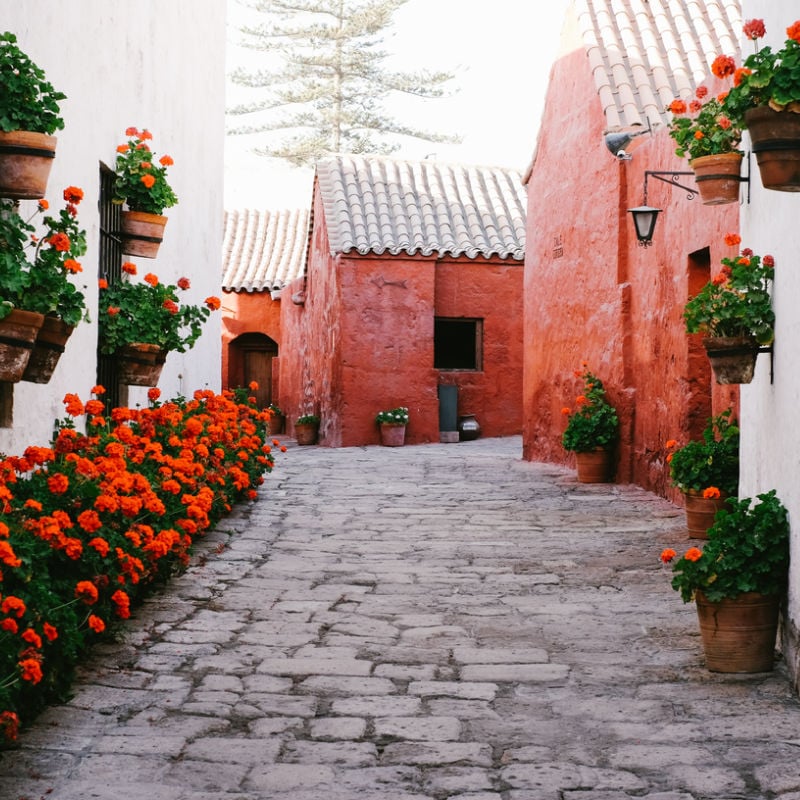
(91, 523)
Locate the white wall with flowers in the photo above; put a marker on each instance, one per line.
(770, 408)
(147, 64)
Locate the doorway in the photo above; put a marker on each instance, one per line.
(250, 359)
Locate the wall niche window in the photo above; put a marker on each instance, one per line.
(458, 344)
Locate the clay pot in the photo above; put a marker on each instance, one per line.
(50, 344)
(141, 233)
(775, 139)
(717, 177)
(306, 433)
(733, 358)
(25, 161)
(392, 435)
(700, 512)
(594, 466)
(140, 364)
(18, 332)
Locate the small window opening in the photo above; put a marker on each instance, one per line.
(457, 344)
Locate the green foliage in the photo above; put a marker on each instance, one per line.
(704, 132)
(395, 416)
(28, 102)
(747, 551)
(594, 422)
(42, 283)
(768, 77)
(140, 181)
(737, 301)
(712, 462)
(307, 419)
(149, 312)
(276, 410)
(326, 89)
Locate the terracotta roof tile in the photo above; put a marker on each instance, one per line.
(263, 250)
(644, 53)
(379, 205)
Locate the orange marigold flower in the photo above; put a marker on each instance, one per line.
(7, 555)
(151, 279)
(9, 625)
(13, 605)
(102, 283)
(58, 483)
(30, 636)
(96, 624)
(31, 670)
(100, 545)
(129, 267)
(711, 493)
(34, 505)
(72, 194)
(732, 239)
(98, 389)
(9, 725)
(86, 591)
(50, 632)
(90, 521)
(693, 554)
(148, 181)
(95, 407)
(153, 393)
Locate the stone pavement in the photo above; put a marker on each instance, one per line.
(434, 621)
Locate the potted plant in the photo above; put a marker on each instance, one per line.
(392, 425)
(592, 430)
(706, 471)
(306, 429)
(766, 97)
(277, 420)
(737, 581)
(141, 184)
(710, 139)
(29, 116)
(142, 321)
(734, 313)
(40, 283)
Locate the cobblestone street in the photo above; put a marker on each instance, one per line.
(434, 621)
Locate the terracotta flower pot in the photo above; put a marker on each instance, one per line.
(306, 433)
(50, 344)
(142, 233)
(700, 512)
(18, 333)
(594, 466)
(739, 633)
(775, 139)
(25, 161)
(717, 177)
(140, 364)
(733, 358)
(276, 424)
(392, 435)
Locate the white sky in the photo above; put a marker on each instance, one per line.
(501, 52)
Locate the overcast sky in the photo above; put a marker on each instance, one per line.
(501, 52)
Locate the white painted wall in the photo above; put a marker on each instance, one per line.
(770, 448)
(159, 65)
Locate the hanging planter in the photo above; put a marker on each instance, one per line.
(25, 161)
(17, 336)
(717, 177)
(142, 233)
(775, 139)
(140, 364)
(50, 344)
(733, 358)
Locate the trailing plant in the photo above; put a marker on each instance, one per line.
(747, 551)
(711, 463)
(593, 423)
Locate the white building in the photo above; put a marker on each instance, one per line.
(146, 64)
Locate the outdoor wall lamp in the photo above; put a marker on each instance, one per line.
(644, 216)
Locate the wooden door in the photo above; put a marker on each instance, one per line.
(258, 368)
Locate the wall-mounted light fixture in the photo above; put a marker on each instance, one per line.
(644, 216)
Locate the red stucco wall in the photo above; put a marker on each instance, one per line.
(591, 293)
(363, 341)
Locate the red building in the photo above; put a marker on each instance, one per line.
(413, 281)
(591, 292)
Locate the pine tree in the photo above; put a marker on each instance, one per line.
(327, 87)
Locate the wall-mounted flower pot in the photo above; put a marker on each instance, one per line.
(142, 233)
(140, 364)
(700, 512)
(392, 435)
(594, 466)
(17, 337)
(717, 177)
(25, 161)
(739, 633)
(775, 139)
(50, 344)
(733, 358)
